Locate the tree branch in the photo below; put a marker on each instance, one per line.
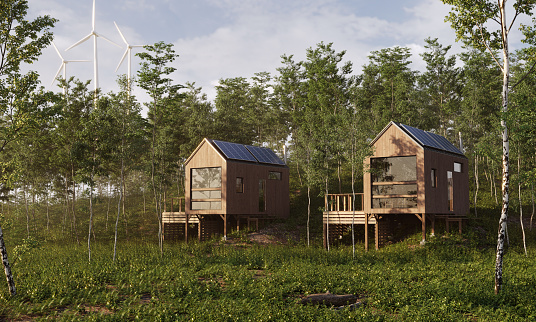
(524, 76)
(489, 49)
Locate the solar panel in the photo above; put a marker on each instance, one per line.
(431, 140)
(265, 155)
(235, 151)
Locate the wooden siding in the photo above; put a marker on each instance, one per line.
(395, 142)
(247, 203)
(436, 198)
(206, 156)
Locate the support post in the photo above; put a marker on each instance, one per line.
(186, 228)
(423, 227)
(366, 231)
(377, 233)
(433, 225)
(325, 235)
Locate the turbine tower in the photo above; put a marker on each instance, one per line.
(95, 35)
(63, 66)
(127, 53)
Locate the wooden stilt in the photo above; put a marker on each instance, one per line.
(433, 224)
(423, 220)
(366, 231)
(186, 228)
(377, 233)
(325, 235)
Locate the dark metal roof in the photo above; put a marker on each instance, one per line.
(429, 139)
(248, 153)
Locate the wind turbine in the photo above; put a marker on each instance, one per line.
(63, 66)
(127, 53)
(95, 35)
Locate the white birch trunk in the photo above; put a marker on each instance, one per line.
(505, 156)
(7, 268)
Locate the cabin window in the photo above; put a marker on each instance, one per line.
(262, 195)
(394, 182)
(239, 185)
(457, 167)
(274, 175)
(450, 191)
(205, 188)
(433, 174)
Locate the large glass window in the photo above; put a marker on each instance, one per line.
(394, 169)
(206, 188)
(394, 182)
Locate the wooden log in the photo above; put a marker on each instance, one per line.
(329, 299)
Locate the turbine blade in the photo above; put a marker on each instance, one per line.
(93, 17)
(53, 44)
(57, 74)
(122, 59)
(80, 41)
(99, 35)
(76, 61)
(116, 26)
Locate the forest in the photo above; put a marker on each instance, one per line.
(79, 166)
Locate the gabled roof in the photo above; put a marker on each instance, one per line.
(242, 152)
(424, 138)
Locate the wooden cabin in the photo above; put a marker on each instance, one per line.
(411, 174)
(229, 184)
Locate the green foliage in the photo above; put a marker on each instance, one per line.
(445, 280)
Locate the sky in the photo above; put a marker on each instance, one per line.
(218, 39)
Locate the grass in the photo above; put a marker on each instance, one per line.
(448, 279)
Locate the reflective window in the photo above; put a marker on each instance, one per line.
(457, 167)
(394, 169)
(239, 185)
(434, 178)
(394, 202)
(274, 175)
(205, 188)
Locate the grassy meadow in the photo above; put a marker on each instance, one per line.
(450, 278)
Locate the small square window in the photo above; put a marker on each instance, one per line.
(239, 185)
(457, 167)
(274, 175)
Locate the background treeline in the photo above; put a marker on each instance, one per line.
(93, 160)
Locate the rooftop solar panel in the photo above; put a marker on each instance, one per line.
(235, 151)
(431, 140)
(265, 155)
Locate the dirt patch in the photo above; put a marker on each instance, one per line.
(274, 234)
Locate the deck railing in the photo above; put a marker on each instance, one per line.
(343, 202)
(177, 205)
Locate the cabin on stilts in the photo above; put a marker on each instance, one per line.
(413, 177)
(229, 185)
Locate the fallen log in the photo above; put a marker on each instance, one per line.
(329, 299)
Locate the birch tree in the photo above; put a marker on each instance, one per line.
(21, 41)
(473, 21)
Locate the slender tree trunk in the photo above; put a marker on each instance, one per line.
(109, 201)
(327, 214)
(7, 268)
(520, 201)
(308, 212)
(505, 156)
(353, 196)
(27, 211)
(90, 209)
(532, 197)
(48, 215)
(477, 185)
(74, 206)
